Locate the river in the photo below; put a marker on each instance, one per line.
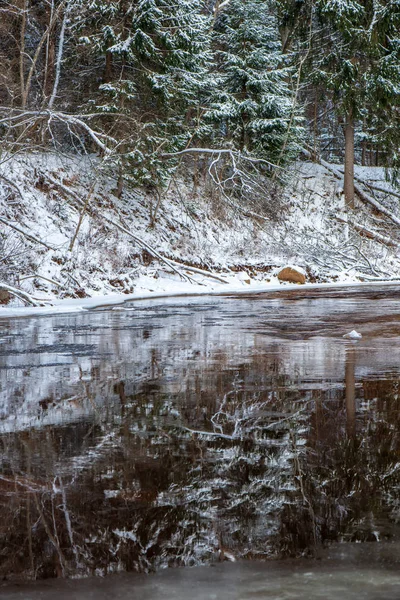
(192, 432)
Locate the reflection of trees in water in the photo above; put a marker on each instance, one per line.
(179, 465)
(350, 471)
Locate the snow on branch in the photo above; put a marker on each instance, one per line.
(29, 118)
(364, 197)
(366, 232)
(11, 184)
(198, 271)
(173, 264)
(149, 248)
(28, 236)
(19, 294)
(213, 151)
(59, 57)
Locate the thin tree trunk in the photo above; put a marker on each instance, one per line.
(108, 71)
(315, 123)
(120, 181)
(59, 57)
(22, 52)
(364, 154)
(35, 58)
(83, 212)
(50, 56)
(349, 161)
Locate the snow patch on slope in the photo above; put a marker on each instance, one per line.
(46, 198)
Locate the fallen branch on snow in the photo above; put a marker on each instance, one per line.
(174, 265)
(373, 186)
(149, 248)
(52, 281)
(366, 198)
(19, 294)
(11, 184)
(199, 271)
(373, 235)
(28, 236)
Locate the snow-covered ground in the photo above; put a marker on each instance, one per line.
(114, 257)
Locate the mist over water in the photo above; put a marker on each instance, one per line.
(183, 432)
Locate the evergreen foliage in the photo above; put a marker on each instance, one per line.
(254, 107)
(158, 76)
(353, 61)
(157, 52)
(359, 60)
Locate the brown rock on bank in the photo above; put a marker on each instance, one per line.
(291, 275)
(5, 297)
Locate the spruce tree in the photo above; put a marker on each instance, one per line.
(254, 107)
(156, 62)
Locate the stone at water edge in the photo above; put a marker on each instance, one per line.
(353, 335)
(292, 275)
(5, 297)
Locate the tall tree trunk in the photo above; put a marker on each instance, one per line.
(349, 161)
(22, 52)
(315, 123)
(50, 54)
(50, 62)
(59, 56)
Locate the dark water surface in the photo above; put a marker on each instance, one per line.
(180, 432)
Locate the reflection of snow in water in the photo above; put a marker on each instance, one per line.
(190, 421)
(49, 360)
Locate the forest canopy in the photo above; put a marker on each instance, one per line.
(144, 83)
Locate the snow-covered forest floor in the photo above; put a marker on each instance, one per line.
(119, 253)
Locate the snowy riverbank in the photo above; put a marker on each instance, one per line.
(116, 301)
(200, 244)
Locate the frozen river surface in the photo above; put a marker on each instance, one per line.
(180, 432)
